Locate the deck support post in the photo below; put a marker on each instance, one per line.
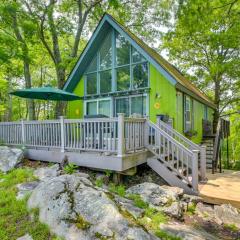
(121, 137)
(23, 132)
(195, 170)
(203, 163)
(62, 134)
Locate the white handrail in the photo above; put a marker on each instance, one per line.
(174, 154)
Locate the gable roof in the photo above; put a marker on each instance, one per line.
(169, 71)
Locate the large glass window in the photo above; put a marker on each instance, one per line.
(93, 65)
(128, 71)
(91, 108)
(91, 81)
(106, 53)
(122, 106)
(140, 75)
(101, 106)
(105, 81)
(138, 105)
(136, 56)
(104, 107)
(131, 105)
(122, 50)
(123, 78)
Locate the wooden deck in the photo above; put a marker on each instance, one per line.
(222, 188)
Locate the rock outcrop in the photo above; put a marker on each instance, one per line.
(75, 209)
(9, 158)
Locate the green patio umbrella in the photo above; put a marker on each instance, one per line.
(46, 93)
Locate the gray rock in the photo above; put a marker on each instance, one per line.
(155, 194)
(75, 209)
(186, 232)
(128, 205)
(25, 237)
(45, 173)
(82, 174)
(223, 214)
(9, 158)
(25, 189)
(174, 210)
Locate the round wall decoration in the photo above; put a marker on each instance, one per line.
(156, 105)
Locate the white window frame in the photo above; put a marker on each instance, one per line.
(98, 100)
(190, 123)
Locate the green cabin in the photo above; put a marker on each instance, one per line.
(118, 73)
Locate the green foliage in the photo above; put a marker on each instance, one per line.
(118, 189)
(191, 209)
(108, 173)
(99, 182)
(231, 227)
(70, 168)
(166, 236)
(81, 223)
(14, 216)
(138, 202)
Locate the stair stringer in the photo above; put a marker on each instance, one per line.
(169, 176)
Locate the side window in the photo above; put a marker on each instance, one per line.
(205, 112)
(187, 114)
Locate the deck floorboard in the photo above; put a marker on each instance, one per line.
(222, 188)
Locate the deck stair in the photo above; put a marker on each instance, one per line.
(208, 143)
(175, 158)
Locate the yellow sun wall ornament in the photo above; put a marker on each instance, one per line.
(157, 105)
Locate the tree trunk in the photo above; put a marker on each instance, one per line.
(60, 106)
(216, 114)
(28, 84)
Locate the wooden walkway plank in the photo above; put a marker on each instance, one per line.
(222, 188)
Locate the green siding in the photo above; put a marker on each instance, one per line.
(75, 108)
(179, 119)
(198, 114)
(167, 95)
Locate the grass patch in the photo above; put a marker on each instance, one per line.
(231, 227)
(118, 189)
(81, 223)
(99, 182)
(138, 202)
(15, 220)
(191, 209)
(166, 236)
(70, 168)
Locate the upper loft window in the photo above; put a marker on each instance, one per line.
(117, 66)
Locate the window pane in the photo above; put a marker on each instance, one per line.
(140, 75)
(92, 108)
(106, 81)
(138, 105)
(137, 56)
(104, 107)
(122, 106)
(106, 53)
(91, 83)
(122, 50)
(123, 78)
(93, 65)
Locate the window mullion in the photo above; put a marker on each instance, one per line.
(98, 75)
(113, 61)
(131, 70)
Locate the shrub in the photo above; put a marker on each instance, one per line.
(70, 168)
(118, 189)
(138, 202)
(99, 182)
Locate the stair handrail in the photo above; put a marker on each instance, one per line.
(192, 153)
(179, 135)
(216, 146)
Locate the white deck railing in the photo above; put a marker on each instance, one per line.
(174, 154)
(101, 135)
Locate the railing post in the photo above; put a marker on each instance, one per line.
(146, 133)
(121, 137)
(195, 170)
(62, 134)
(203, 162)
(23, 132)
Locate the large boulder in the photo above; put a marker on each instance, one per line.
(221, 214)
(163, 198)
(9, 158)
(186, 232)
(74, 209)
(45, 173)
